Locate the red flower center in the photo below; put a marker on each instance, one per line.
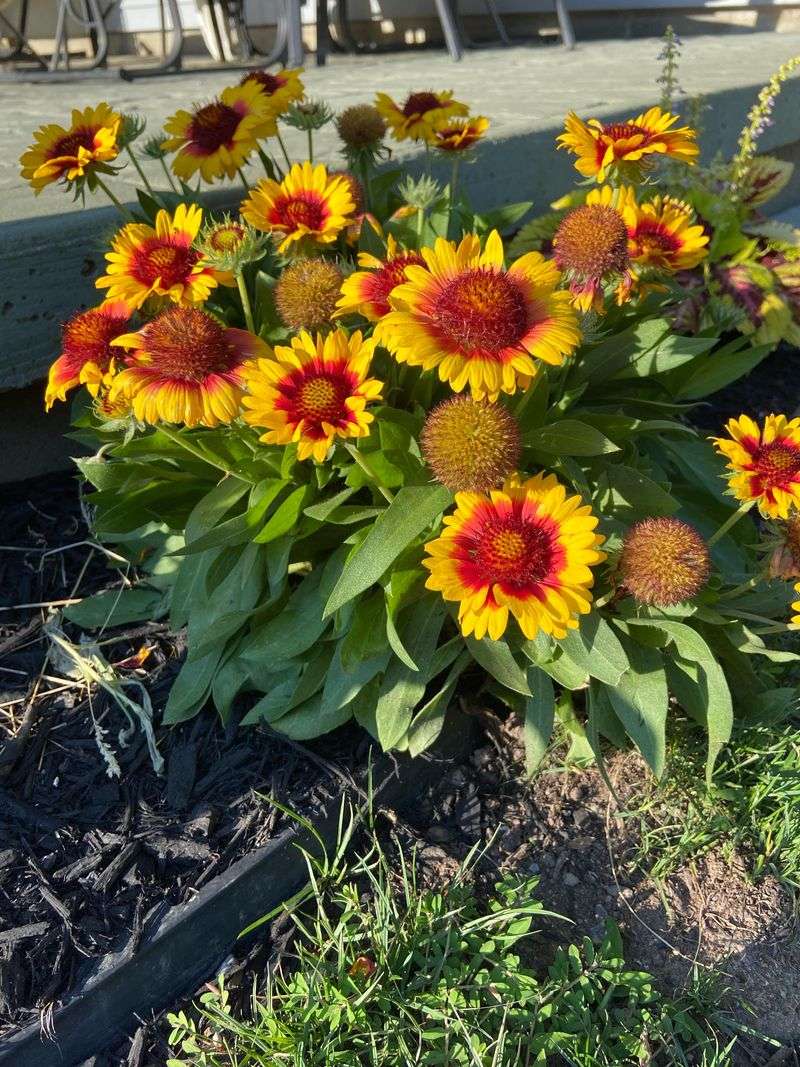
(419, 103)
(158, 259)
(304, 209)
(654, 240)
(68, 145)
(621, 131)
(316, 393)
(516, 549)
(87, 337)
(212, 127)
(381, 282)
(481, 311)
(188, 345)
(270, 83)
(777, 464)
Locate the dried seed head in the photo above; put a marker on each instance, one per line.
(307, 293)
(470, 445)
(664, 562)
(592, 242)
(361, 126)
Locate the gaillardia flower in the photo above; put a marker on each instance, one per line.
(629, 146)
(218, 138)
(69, 154)
(87, 357)
(479, 325)
(279, 89)
(591, 247)
(313, 392)
(471, 445)
(765, 462)
(159, 261)
(185, 367)
(366, 292)
(661, 234)
(525, 550)
(307, 293)
(664, 562)
(458, 135)
(308, 206)
(420, 115)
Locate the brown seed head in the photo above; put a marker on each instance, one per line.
(664, 562)
(470, 445)
(361, 126)
(592, 242)
(307, 293)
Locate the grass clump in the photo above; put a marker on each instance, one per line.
(386, 972)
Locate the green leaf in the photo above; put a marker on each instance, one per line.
(599, 362)
(641, 701)
(116, 607)
(241, 528)
(596, 649)
(672, 351)
(497, 659)
(569, 437)
(540, 710)
(286, 516)
(720, 368)
(403, 688)
(632, 494)
(713, 689)
(413, 509)
(312, 719)
(429, 720)
(192, 687)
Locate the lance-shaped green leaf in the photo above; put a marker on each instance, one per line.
(569, 437)
(540, 711)
(641, 700)
(597, 649)
(497, 659)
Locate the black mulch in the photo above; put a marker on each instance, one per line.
(90, 862)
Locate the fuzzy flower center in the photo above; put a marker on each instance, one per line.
(316, 394)
(777, 463)
(188, 345)
(213, 126)
(321, 399)
(653, 240)
(513, 552)
(70, 143)
(161, 261)
(664, 561)
(87, 338)
(623, 131)
(470, 445)
(592, 241)
(420, 103)
(481, 310)
(304, 209)
(270, 83)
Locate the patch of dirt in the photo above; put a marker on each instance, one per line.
(565, 829)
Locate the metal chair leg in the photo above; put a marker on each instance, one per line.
(565, 24)
(452, 37)
(172, 59)
(294, 41)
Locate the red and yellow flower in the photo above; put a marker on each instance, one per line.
(87, 357)
(458, 135)
(160, 261)
(185, 367)
(524, 551)
(308, 206)
(630, 147)
(420, 115)
(218, 138)
(366, 292)
(60, 153)
(279, 89)
(661, 234)
(479, 325)
(313, 392)
(765, 463)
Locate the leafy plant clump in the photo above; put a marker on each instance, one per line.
(386, 972)
(366, 453)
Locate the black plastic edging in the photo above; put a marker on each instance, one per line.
(193, 939)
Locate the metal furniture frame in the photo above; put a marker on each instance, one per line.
(456, 39)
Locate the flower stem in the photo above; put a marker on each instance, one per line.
(730, 522)
(114, 200)
(198, 452)
(283, 149)
(365, 181)
(367, 468)
(139, 170)
(454, 180)
(169, 177)
(310, 145)
(245, 298)
(245, 183)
